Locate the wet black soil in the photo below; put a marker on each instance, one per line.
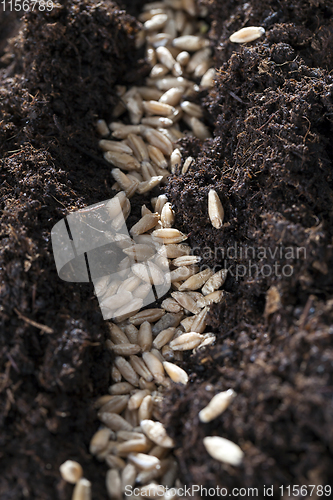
(271, 162)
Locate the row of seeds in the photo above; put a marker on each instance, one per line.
(148, 344)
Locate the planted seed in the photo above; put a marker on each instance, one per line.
(126, 349)
(154, 365)
(82, 490)
(71, 471)
(186, 342)
(128, 477)
(248, 34)
(115, 462)
(177, 374)
(186, 301)
(126, 370)
(141, 368)
(149, 273)
(164, 337)
(208, 79)
(121, 178)
(145, 187)
(138, 146)
(142, 291)
(157, 108)
(165, 57)
(190, 43)
(183, 273)
(137, 398)
(192, 109)
(199, 129)
(158, 71)
(196, 281)
(156, 22)
(117, 300)
(199, 323)
(168, 235)
(155, 138)
(187, 163)
(138, 253)
(223, 450)
(117, 404)
(167, 216)
(172, 96)
(150, 315)
(113, 484)
(121, 388)
(145, 337)
(146, 409)
(157, 121)
(99, 441)
(217, 405)
(215, 209)
(117, 335)
(156, 432)
(114, 421)
(141, 445)
(102, 128)
(172, 251)
(115, 146)
(171, 305)
(143, 461)
(167, 321)
(146, 223)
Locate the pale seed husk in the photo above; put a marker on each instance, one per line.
(132, 417)
(142, 291)
(191, 43)
(102, 400)
(248, 34)
(217, 405)
(172, 96)
(128, 476)
(197, 280)
(208, 79)
(214, 297)
(138, 146)
(82, 490)
(157, 157)
(157, 121)
(116, 146)
(146, 186)
(99, 441)
(192, 109)
(177, 374)
(199, 129)
(186, 341)
(171, 305)
(143, 461)
(156, 22)
(223, 450)
(137, 398)
(183, 273)
(126, 349)
(154, 365)
(146, 409)
(121, 388)
(131, 283)
(187, 163)
(71, 471)
(116, 204)
(199, 323)
(117, 335)
(113, 484)
(197, 58)
(156, 432)
(128, 310)
(157, 108)
(115, 462)
(215, 282)
(172, 251)
(121, 178)
(186, 301)
(146, 223)
(149, 93)
(117, 300)
(186, 260)
(160, 202)
(215, 209)
(157, 139)
(169, 235)
(165, 57)
(122, 131)
(139, 253)
(149, 273)
(141, 445)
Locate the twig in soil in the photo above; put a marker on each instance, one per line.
(43, 328)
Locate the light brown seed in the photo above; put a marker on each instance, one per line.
(150, 56)
(137, 398)
(128, 477)
(82, 490)
(121, 131)
(146, 409)
(186, 260)
(156, 22)
(215, 282)
(139, 253)
(215, 209)
(126, 370)
(191, 109)
(190, 43)
(150, 315)
(149, 273)
(187, 163)
(190, 7)
(100, 440)
(115, 462)
(183, 273)
(164, 337)
(132, 417)
(217, 405)
(122, 160)
(172, 96)
(177, 374)
(186, 341)
(121, 388)
(116, 204)
(157, 121)
(102, 128)
(121, 178)
(186, 301)
(143, 461)
(165, 57)
(247, 34)
(168, 235)
(117, 335)
(208, 79)
(117, 404)
(171, 305)
(116, 146)
(132, 333)
(128, 310)
(168, 82)
(156, 432)
(71, 471)
(145, 337)
(102, 400)
(196, 281)
(157, 108)
(209, 340)
(146, 186)
(117, 300)
(202, 68)
(141, 368)
(157, 139)
(118, 110)
(138, 146)
(158, 158)
(147, 385)
(199, 323)
(154, 365)
(197, 58)
(172, 251)
(167, 216)
(223, 450)
(114, 421)
(141, 445)
(113, 484)
(126, 349)
(199, 129)
(149, 93)
(183, 58)
(160, 202)
(128, 435)
(146, 223)
(158, 71)
(142, 291)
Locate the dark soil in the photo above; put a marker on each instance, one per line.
(271, 162)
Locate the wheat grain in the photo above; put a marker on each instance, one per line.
(102, 128)
(114, 421)
(186, 301)
(71, 471)
(126, 370)
(128, 477)
(156, 22)
(121, 388)
(223, 450)
(82, 490)
(167, 321)
(186, 341)
(115, 462)
(171, 305)
(140, 367)
(100, 440)
(177, 374)
(215, 209)
(156, 432)
(154, 365)
(117, 404)
(164, 337)
(248, 34)
(143, 461)
(217, 405)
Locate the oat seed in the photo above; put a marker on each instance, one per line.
(215, 209)
(146, 223)
(186, 342)
(150, 315)
(140, 367)
(223, 450)
(114, 421)
(217, 405)
(100, 440)
(248, 34)
(121, 388)
(126, 370)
